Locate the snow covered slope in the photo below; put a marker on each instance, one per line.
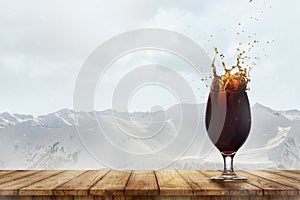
(52, 141)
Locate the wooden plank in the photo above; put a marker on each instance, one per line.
(9, 198)
(15, 175)
(260, 198)
(45, 187)
(293, 171)
(84, 197)
(4, 172)
(171, 183)
(61, 197)
(90, 197)
(282, 198)
(275, 185)
(113, 183)
(34, 198)
(136, 197)
(142, 183)
(227, 197)
(245, 198)
(294, 198)
(12, 187)
(269, 187)
(236, 188)
(203, 197)
(55, 198)
(276, 178)
(287, 174)
(118, 197)
(80, 185)
(172, 197)
(202, 185)
(102, 198)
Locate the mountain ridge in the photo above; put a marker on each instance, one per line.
(66, 115)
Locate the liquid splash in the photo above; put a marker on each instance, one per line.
(237, 77)
(234, 79)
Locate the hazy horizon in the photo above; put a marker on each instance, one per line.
(143, 111)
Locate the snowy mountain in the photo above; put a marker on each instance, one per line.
(291, 114)
(172, 139)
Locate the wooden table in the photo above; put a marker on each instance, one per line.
(132, 185)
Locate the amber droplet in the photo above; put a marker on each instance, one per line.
(216, 50)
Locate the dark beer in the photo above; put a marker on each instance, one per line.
(228, 119)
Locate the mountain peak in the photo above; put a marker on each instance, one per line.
(10, 117)
(258, 105)
(64, 111)
(6, 114)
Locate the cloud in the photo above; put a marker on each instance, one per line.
(43, 44)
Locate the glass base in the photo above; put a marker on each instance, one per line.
(228, 173)
(228, 177)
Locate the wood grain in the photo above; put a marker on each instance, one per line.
(236, 188)
(12, 187)
(81, 184)
(103, 198)
(113, 183)
(172, 183)
(202, 185)
(142, 183)
(46, 186)
(286, 174)
(15, 175)
(269, 187)
(136, 197)
(147, 185)
(276, 178)
(293, 171)
(3, 172)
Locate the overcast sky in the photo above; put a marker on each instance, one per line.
(43, 45)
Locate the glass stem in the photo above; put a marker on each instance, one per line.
(228, 163)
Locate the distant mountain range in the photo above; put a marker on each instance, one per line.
(52, 142)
